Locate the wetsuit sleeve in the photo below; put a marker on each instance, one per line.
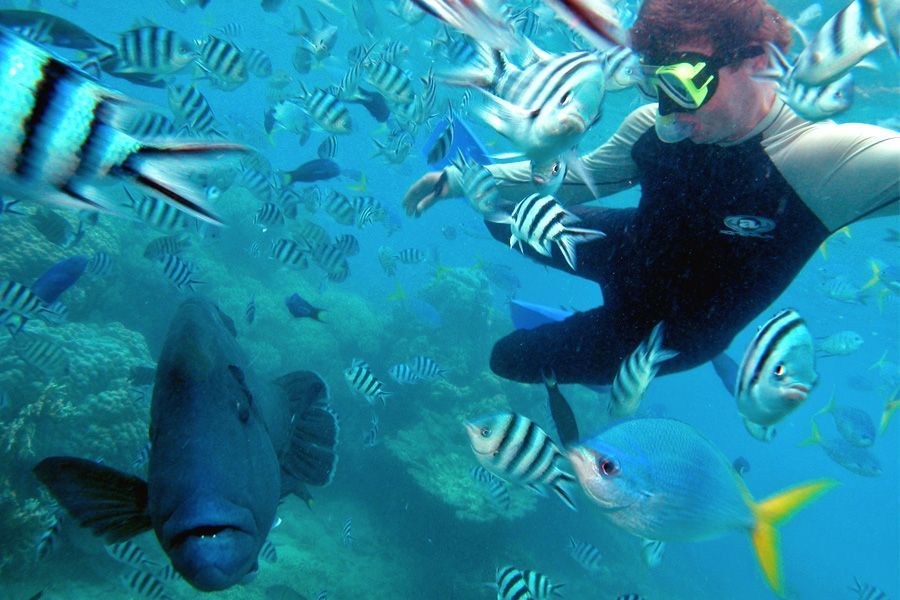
(844, 173)
(610, 167)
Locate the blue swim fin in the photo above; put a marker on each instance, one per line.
(526, 315)
(463, 140)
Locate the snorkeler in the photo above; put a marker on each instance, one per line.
(737, 193)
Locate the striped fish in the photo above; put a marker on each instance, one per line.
(232, 29)
(637, 371)
(515, 449)
(129, 553)
(629, 597)
(99, 265)
(41, 353)
(149, 125)
(339, 207)
(387, 260)
(362, 381)
(326, 110)
(152, 50)
(17, 300)
(144, 585)
(258, 63)
(169, 244)
(268, 552)
(329, 257)
(49, 538)
(347, 533)
(540, 586)
(411, 256)
(59, 141)
(425, 368)
(776, 373)
(223, 62)
(540, 221)
(250, 311)
(168, 573)
(394, 52)
(56, 313)
(340, 273)
(368, 210)
(322, 595)
(327, 148)
(585, 554)
(268, 216)
(403, 374)
(391, 81)
(290, 253)
(191, 108)
(478, 185)
(312, 233)
(178, 271)
(652, 552)
(156, 212)
(495, 488)
(511, 584)
(867, 591)
(347, 244)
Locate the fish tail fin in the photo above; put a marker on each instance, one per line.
(655, 351)
(889, 407)
(311, 457)
(164, 170)
(774, 511)
(827, 408)
(360, 186)
(111, 503)
(399, 295)
(880, 362)
(572, 236)
(317, 314)
(814, 438)
(876, 276)
(564, 486)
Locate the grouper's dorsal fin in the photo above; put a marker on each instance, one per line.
(311, 456)
(111, 503)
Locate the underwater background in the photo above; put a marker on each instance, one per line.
(421, 526)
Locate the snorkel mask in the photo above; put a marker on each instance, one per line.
(688, 80)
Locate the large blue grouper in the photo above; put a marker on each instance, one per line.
(226, 446)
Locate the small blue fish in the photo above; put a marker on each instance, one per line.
(268, 552)
(300, 308)
(347, 533)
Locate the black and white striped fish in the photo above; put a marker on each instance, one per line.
(178, 271)
(347, 244)
(370, 439)
(403, 374)
(479, 187)
(41, 352)
(391, 81)
(268, 552)
(636, 372)
(347, 533)
(411, 256)
(268, 216)
(49, 538)
(362, 381)
(17, 300)
(515, 449)
(258, 63)
(322, 595)
(311, 233)
(776, 373)
(60, 140)
(150, 125)
(867, 591)
(99, 265)
(290, 253)
(169, 244)
(368, 210)
(426, 368)
(129, 553)
(250, 311)
(259, 184)
(327, 148)
(585, 554)
(157, 213)
(330, 258)
(231, 29)
(496, 489)
(223, 62)
(511, 584)
(540, 586)
(326, 110)
(630, 597)
(540, 221)
(168, 573)
(144, 585)
(152, 50)
(652, 552)
(191, 108)
(339, 207)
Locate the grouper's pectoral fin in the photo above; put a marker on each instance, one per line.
(111, 503)
(311, 456)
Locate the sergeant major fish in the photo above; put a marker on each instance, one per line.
(211, 510)
(637, 371)
(660, 479)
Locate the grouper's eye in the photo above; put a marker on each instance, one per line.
(779, 370)
(565, 98)
(485, 432)
(607, 467)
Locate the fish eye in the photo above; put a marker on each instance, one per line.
(565, 98)
(608, 467)
(485, 432)
(555, 169)
(779, 370)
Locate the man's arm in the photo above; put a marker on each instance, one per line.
(844, 173)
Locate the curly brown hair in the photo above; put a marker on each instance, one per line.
(663, 25)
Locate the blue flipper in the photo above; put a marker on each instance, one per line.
(463, 140)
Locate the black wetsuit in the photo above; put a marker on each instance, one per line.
(674, 259)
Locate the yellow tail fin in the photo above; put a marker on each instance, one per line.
(889, 408)
(827, 408)
(814, 438)
(399, 295)
(359, 187)
(876, 275)
(775, 511)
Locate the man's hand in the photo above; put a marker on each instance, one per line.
(425, 192)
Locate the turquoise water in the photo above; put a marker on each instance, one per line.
(421, 527)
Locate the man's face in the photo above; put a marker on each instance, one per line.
(736, 106)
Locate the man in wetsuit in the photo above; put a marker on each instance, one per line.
(733, 203)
